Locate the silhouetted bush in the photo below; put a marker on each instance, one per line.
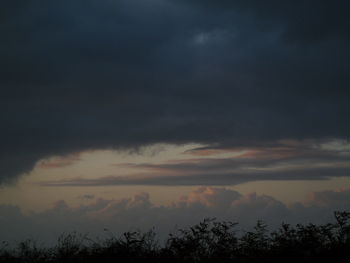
(205, 242)
(208, 241)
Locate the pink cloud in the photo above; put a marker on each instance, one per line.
(58, 162)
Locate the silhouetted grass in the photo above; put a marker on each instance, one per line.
(208, 241)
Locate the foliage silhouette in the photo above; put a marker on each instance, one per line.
(208, 241)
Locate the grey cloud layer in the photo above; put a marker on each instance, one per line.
(139, 212)
(77, 75)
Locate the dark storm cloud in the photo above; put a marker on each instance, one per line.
(299, 20)
(78, 75)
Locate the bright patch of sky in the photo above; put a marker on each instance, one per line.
(30, 193)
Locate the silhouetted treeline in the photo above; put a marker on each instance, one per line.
(208, 241)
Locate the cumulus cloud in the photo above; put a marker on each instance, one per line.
(337, 199)
(79, 75)
(87, 196)
(139, 212)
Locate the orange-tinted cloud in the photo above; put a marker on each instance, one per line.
(58, 162)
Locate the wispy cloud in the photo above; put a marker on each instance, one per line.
(287, 161)
(59, 161)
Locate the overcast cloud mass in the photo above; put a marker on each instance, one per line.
(103, 74)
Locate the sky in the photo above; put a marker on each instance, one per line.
(127, 114)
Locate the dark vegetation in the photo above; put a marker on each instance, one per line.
(208, 241)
